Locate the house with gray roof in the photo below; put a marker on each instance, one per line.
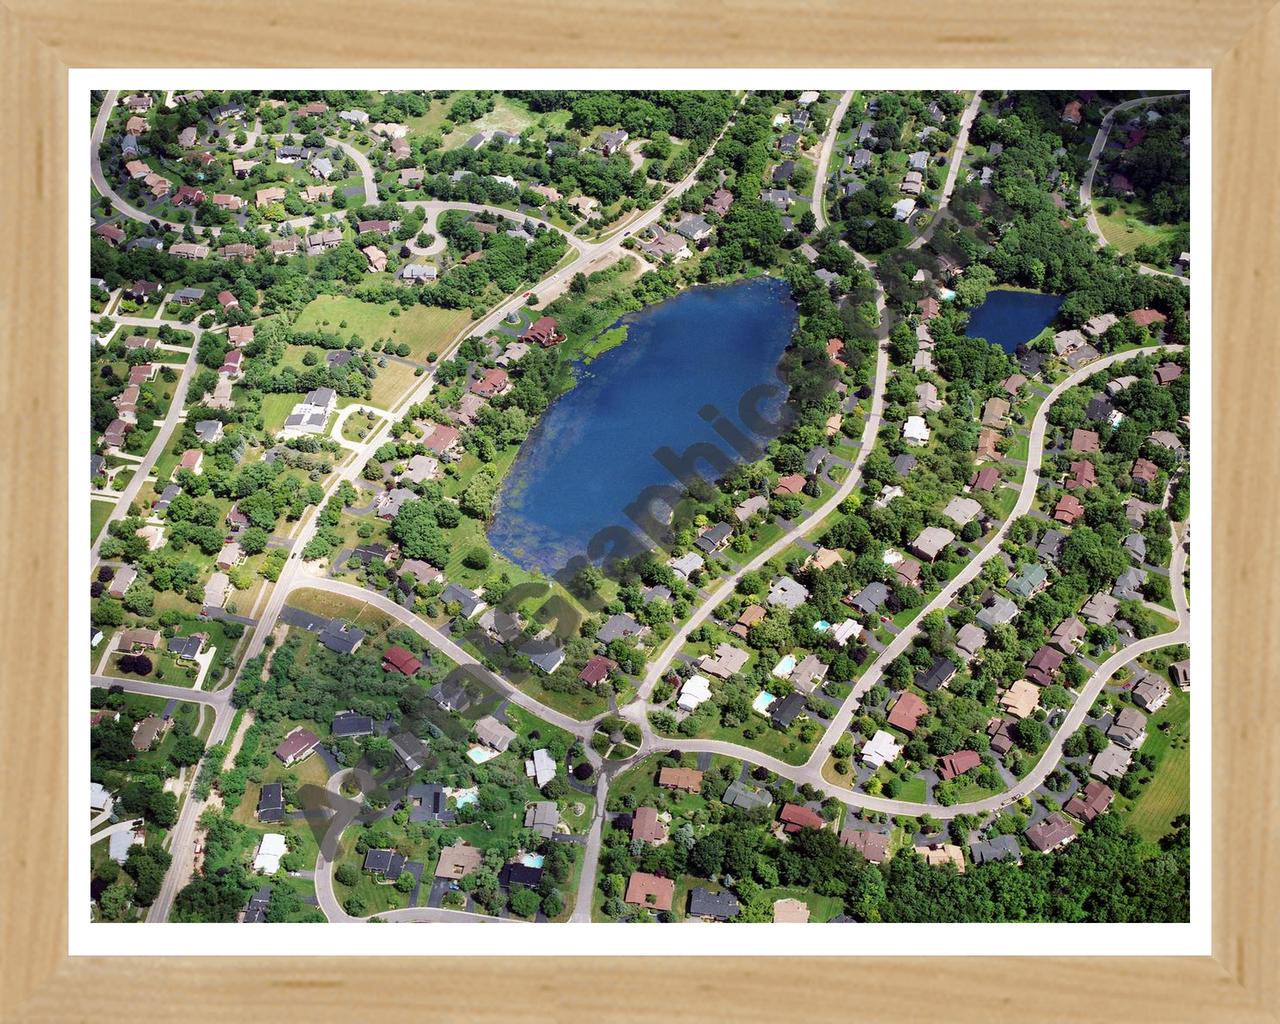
(985, 851)
(1000, 611)
(871, 597)
(618, 627)
(1029, 582)
(787, 593)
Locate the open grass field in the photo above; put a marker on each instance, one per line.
(334, 606)
(1126, 230)
(98, 512)
(1168, 794)
(423, 328)
(394, 381)
(276, 408)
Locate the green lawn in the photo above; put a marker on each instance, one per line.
(1126, 230)
(821, 908)
(276, 408)
(424, 329)
(98, 512)
(1168, 794)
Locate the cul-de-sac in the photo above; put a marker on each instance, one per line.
(639, 506)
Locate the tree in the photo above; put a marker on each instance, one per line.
(347, 874)
(525, 902)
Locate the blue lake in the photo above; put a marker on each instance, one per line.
(1010, 319)
(594, 450)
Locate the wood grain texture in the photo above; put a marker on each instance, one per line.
(38, 41)
(658, 33)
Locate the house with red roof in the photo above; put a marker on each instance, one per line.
(907, 712)
(795, 817)
(597, 670)
(400, 660)
(956, 764)
(1068, 509)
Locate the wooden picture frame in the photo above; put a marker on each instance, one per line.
(41, 40)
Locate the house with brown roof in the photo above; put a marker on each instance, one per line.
(792, 483)
(1145, 471)
(1084, 441)
(1068, 635)
(939, 855)
(1043, 667)
(267, 196)
(297, 746)
(1147, 317)
(597, 670)
(956, 764)
(458, 861)
(397, 659)
(874, 846)
(543, 332)
(1020, 699)
(1068, 509)
(1093, 799)
(795, 817)
(751, 615)
(647, 827)
(907, 712)
(1167, 373)
(651, 892)
(686, 779)
(1083, 475)
(984, 479)
(146, 732)
(995, 412)
(492, 383)
(1052, 833)
(987, 441)
(790, 911)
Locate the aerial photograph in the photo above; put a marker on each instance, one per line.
(623, 506)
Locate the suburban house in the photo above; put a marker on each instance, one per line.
(493, 734)
(685, 779)
(931, 542)
(1091, 800)
(873, 845)
(1020, 699)
(1129, 728)
(880, 750)
(650, 891)
(907, 712)
(297, 746)
(1052, 833)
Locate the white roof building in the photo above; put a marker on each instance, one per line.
(695, 691)
(843, 632)
(881, 749)
(270, 850)
(915, 431)
(686, 564)
(541, 768)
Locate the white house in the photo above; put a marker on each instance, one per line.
(881, 749)
(695, 691)
(270, 850)
(915, 431)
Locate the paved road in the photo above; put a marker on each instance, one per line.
(214, 699)
(163, 437)
(719, 590)
(435, 207)
(1026, 495)
(591, 855)
(818, 204)
(1095, 157)
(957, 155)
(100, 179)
(445, 645)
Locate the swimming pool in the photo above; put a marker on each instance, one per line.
(481, 754)
(761, 704)
(821, 626)
(785, 667)
(532, 860)
(463, 797)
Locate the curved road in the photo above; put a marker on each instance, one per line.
(1095, 157)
